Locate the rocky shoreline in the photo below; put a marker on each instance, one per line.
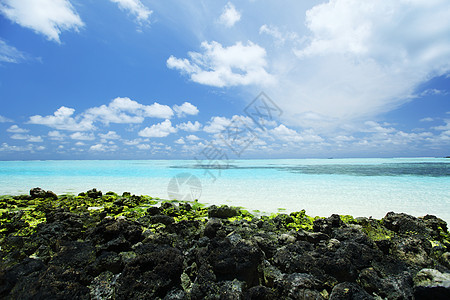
(109, 246)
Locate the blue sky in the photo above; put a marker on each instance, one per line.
(141, 79)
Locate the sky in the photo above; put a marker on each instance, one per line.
(206, 80)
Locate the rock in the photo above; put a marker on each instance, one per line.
(94, 194)
(40, 193)
(405, 224)
(37, 193)
(152, 274)
(286, 238)
(259, 292)
(222, 212)
(299, 286)
(391, 287)
(432, 284)
(281, 220)
(163, 219)
(211, 227)
(152, 211)
(231, 290)
(103, 286)
(349, 291)
(311, 237)
(230, 262)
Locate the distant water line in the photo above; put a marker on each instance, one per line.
(360, 187)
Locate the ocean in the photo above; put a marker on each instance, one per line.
(358, 187)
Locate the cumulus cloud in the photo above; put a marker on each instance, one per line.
(110, 135)
(428, 119)
(189, 126)
(136, 8)
(62, 119)
(289, 135)
(103, 148)
(27, 137)
(185, 109)
(279, 36)
(192, 138)
(56, 135)
(12, 148)
(10, 54)
(16, 129)
(144, 147)
(4, 119)
(125, 110)
(47, 17)
(239, 64)
(162, 129)
(216, 125)
(180, 141)
(362, 58)
(82, 136)
(229, 15)
(219, 124)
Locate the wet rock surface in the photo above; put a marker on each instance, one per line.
(137, 247)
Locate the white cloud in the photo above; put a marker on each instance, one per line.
(280, 37)
(16, 129)
(426, 119)
(162, 129)
(157, 110)
(433, 92)
(136, 8)
(238, 64)
(47, 17)
(372, 126)
(192, 138)
(4, 119)
(443, 127)
(363, 58)
(27, 137)
(10, 54)
(79, 144)
(134, 142)
(343, 138)
(103, 148)
(124, 110)
(62, 119)
(35, 139)
(56, 135)
(111, 135)
(189, 126)
(8, 148)
(216, 125)
(144, 147)
(185, 109)
(180, 141)
(229, 15)
(82, 136)
(289, 135)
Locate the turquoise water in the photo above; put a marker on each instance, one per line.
(360, 187)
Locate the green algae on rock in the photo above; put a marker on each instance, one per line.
(110, 246)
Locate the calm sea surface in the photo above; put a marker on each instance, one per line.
(360, 187)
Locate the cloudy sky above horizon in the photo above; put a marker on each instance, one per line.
(143, 79)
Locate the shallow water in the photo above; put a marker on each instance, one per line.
(360, 187)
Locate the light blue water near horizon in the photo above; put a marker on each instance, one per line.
(359, 187)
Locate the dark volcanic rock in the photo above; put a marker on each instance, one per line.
(349, 291)
(128, 250)
(222, 212)
(40, 193)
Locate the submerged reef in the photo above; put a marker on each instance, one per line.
(109, 246)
